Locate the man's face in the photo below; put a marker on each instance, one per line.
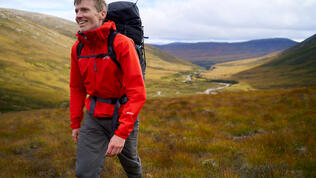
(87, 16)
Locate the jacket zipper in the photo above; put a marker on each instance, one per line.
(95, 65)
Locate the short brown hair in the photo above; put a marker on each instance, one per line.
(100, 5)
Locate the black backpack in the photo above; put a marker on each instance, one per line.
(128, 22)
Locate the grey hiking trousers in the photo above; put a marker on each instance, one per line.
(92, 145)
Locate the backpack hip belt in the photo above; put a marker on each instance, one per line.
(117, 101)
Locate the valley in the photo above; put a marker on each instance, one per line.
(252, 114)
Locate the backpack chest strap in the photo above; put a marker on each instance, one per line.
(110, 53)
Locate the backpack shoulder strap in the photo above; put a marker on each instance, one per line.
(111, 51)
(79, 49)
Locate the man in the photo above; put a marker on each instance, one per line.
(93, 73)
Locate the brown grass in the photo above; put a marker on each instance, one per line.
(269, 133)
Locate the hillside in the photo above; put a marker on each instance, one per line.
(60, 25)
(35, 61)
(268, 133)
(295, 66)
(160, 64)
(209, 53)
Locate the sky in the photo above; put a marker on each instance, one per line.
(167, 21)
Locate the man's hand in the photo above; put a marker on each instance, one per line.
(75, 134)
(116, 146)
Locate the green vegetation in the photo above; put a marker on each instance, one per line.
(293, 67)
(267, 133)
(34, 64)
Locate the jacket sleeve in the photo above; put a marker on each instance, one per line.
(134, 85)
(77, 90)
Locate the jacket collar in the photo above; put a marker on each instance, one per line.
(96, 36)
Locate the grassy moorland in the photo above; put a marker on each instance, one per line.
(267, 133)
(34, 63)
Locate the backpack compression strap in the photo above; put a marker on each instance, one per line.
(79, 49)
(111, 52)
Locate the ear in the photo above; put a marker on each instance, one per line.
(102, 15)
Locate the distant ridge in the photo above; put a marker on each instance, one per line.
(166, 56)
(208, 53)
(295, 66)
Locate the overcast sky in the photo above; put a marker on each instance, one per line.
(205, 20)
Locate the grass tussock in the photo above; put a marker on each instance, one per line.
(268, 133)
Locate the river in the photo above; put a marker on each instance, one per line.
(224, 85)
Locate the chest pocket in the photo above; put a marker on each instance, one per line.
(83, 66)
(98, 65)
(91, 62)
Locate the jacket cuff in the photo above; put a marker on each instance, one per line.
(126, 126)
(120, 134)
(75, 126)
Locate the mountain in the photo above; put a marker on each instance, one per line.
(35, 60)
(209, 53)
(295, 66)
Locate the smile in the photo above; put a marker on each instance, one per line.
(82, 22)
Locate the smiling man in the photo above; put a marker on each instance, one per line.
(96, 75)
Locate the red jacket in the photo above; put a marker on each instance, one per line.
(101, 77)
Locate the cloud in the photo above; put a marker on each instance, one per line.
(59, 8)
(37, 4)
(229, 19)
(65, 14)
(205, 20)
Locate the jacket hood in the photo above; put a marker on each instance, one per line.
(97, 35)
